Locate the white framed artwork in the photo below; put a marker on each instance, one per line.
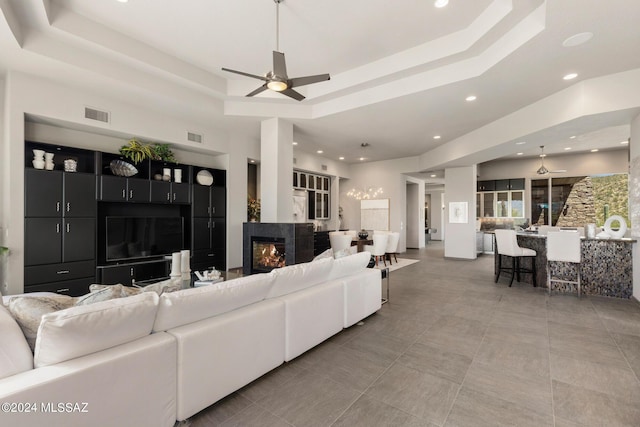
(458, 212)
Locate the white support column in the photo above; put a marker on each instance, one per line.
(634, 201)
(460, 187)
(276, 156)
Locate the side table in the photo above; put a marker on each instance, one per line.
(385, 275)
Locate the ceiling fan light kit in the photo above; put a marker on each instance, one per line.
(277, 80)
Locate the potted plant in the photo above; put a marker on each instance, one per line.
(162, 152)
(136, 151)
(253, 209)
(4, 250)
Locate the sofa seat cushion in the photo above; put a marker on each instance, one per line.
(28, 310)
(294, 278)
(81, 330)
(190, 305)
(15, 354)
(349, 265)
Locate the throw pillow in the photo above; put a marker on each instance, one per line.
(326, 254)
(28, 312)
(104, 294)
(170, 285)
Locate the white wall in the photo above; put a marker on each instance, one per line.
(437, 218)
(415, 213)
(460, 185)
(634, 205)
(25, 94)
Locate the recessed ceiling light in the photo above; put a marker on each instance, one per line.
(319, 151)
(250, 161)
(341, 158)
(572, 137)
(624, 142)
(570, 76)
(295, 143)
(577, 39)
(361, 158)
(595, 150)
(441, 3)
(521, 142)
(567, 148)
(122, 1)
(519, 154)
(471, 98)
(436, 137)
(433, 175)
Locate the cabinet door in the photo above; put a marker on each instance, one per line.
(79, 195)
(42, 241)
(113, 188)
(138, 190)
(218, 233)
(200, 204)
(517, 204)
(43, 193)
(180, 193)
(502, 184)
(117, 274)
(502, 204)
(487, 204)
(516, 184)
(201, 233)
(79, 239)
(218, 201)
(160, 192)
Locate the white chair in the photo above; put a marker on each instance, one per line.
(339, 242)
(379, 247)
(507, 245)
(563, 246)
(392, 246)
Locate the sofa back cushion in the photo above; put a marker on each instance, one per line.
(190, 305)
(81, 330)
(15, 354)
(349, 265)
(293, 278)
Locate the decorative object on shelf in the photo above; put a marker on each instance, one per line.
(176, 265)
(166, 174)
(162, 152)
(136, 151)
(204, 177)
(70, 165)
(157, 177)
(122, 168)
(38, 159)
(363, 234)
(177, 175)
(622, 228)
(48, 162)
(366, 193)
(185, 267)
(253, 209)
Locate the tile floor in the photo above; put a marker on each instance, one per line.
(452, 348)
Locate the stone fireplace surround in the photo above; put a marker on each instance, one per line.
(298, 238)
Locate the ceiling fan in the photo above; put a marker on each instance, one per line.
(277, 79)
(542, 170)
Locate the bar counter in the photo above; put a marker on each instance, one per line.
(606, 268)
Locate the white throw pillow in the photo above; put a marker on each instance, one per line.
(326, 254)
(190, 305)
(81, 330)
(348, 265)
(15, 354)
(300, 276)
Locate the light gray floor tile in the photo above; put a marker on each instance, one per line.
(269, 383)
(578, 348)
(474, 409)
(598, 377)
(563, 331)
(525, 359)
(532, 393)
(570, 304)
(434, 360)
(420, 394)
(621, 322)
(591, 408)
(220, 411)
(367, 412)
(309, 400)
(254, 416)
(603, 304)
(630, 346)
(380, 348)
(535, 334)
(455, 334)
(587, 320)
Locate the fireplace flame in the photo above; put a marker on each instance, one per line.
(270, 257)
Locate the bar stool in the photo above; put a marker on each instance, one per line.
(563, 246)
(507, 245)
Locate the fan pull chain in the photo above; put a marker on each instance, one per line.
(277, 24)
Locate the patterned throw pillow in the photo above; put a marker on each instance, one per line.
(105, 294)
(28, 312)
(125, 291)
(170, 285)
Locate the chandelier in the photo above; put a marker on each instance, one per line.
(365, 194)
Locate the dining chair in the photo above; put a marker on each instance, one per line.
(379, 247)
(392, 246)
(563, 246)
(507, 245)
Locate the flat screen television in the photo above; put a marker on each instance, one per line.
(143, 237)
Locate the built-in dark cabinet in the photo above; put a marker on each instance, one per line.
(501, 185)
(208, 237)
(55, 240)
(208, 201)
(119, 189)
(169, 192)
(486, 185)
(128, 274)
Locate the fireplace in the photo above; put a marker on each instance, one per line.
(273, 245)
(267, 253)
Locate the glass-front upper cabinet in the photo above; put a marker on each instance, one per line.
(487, 204)
(502, 204)
(517, 204)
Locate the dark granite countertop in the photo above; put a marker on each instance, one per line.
(543, 236)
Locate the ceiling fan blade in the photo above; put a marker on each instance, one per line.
(558, 171)
(293, 94)
(302, 81)
(279, 65)
(246, 74)
(257, 91)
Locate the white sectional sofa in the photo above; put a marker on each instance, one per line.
(146, 360)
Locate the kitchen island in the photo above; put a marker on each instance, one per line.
(606, 268)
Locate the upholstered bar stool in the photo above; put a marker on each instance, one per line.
(507, 245)
(563, 246)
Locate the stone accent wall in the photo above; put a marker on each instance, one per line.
(579, 209)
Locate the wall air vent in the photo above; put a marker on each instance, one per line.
(194, 137)
(93, 114)
(324, 167)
